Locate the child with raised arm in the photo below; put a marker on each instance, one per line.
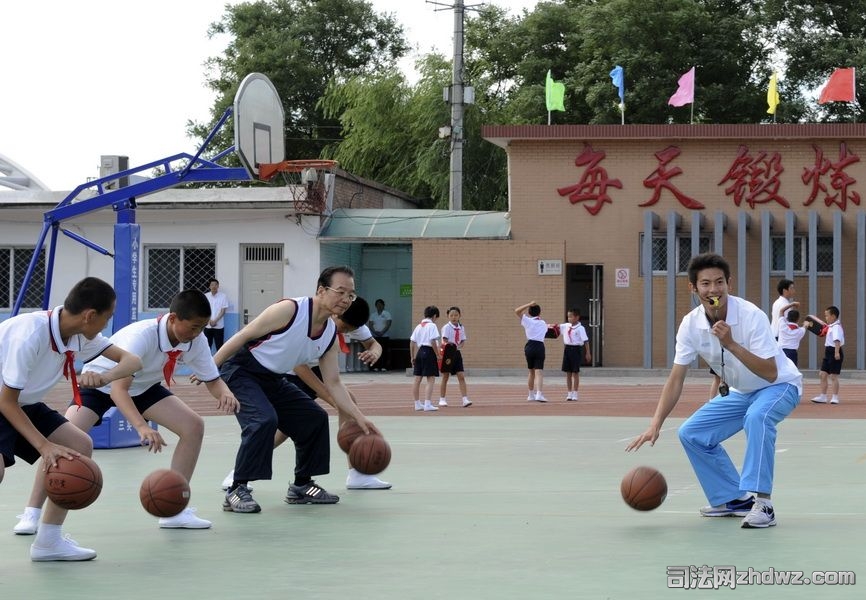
(575, 351)
(453, 339)
(535, 329)
(163, 342)
(36, 349)
(831, 365)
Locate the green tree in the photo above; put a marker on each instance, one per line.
(301, 45)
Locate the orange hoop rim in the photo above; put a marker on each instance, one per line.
(269, 170)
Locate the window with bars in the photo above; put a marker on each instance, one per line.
(13, 267)
(171, 269)
(659, 259)
(823, 257)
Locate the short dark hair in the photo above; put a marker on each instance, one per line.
(833, 310)
(431, 311)
(534, 310)
(574, 311)
(326, 276)
(90, 292)
(793, 315)
(357, 314)
(378, 300)
(707, 260)
(457, 308)
(190, 304)
(213, 280)
(783, 285)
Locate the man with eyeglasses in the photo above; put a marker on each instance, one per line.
(254, 361)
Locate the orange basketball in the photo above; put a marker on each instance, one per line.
(164, 493)
(347, 434)
(644, 488)
(370, 454)
(75, 483)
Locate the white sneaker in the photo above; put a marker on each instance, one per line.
(359, 481)
(820, 399)
(834, 400)
(64, 549)
(443, 402)
(467, 402)
(419, 405)
(185, 519)
(28, 523)
(530, 397)
(540, 398)
(760, 517)
(429, 407)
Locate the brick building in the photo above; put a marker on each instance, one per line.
(597, 208)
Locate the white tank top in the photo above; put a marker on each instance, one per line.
(282, 350)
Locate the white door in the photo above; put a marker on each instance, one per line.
(261, 278)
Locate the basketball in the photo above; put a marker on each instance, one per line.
(644, 488)
(164, 493)
(347, 434)
(370, 454)
(75, 483)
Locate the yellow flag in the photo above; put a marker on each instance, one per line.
(773, 94)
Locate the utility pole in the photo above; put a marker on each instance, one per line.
(458, 96)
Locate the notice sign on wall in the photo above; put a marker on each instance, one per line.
(622, 277)
(550, 267)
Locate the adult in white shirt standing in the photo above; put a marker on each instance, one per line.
(782, 305)
(215, 331)
(380, 323)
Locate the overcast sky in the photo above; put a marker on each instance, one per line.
(83, 79)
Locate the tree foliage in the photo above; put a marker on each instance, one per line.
(334, 64)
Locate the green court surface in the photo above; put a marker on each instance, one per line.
(493, 507)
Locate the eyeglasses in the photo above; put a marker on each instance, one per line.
(352, 296)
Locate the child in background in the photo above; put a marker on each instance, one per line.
(453, 335)
(423, 350)
(534, 351)
(831, 366)
(574, 353)
(790, 334)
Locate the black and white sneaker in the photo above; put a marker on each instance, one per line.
(734, 508)
(309, 494)
(761, 516)
(240, 500)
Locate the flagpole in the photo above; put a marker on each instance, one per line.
(692, 108)
(622, 114)
(548, 117)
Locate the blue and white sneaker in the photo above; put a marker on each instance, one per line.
(734, 508)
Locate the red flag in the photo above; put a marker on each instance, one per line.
(839, 88)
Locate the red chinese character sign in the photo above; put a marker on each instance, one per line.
(593, 184)
(660, 180)
(755, 179)
(839, 179)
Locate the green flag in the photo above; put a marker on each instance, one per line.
(554, 94)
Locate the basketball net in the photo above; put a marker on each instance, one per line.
(306, 180)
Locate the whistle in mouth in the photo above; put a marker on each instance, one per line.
(713, 300)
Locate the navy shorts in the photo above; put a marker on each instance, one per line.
(426, 364)
(452, 362)
(99, 402)
(792, 354)
(830, 365)
(535, 353)
(572, 356)
(45, 419)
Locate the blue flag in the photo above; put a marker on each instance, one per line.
(618, 80)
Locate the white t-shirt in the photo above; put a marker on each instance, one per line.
(379, 320)
(573, 335)
(749, 328)
(790, 335)
(535, 327)
(775, 319)
(148, 339)
(425, 332)
(450, 333)
(834, 332)
(32, 353)
(217, 302)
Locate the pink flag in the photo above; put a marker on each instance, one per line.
(685, 94)
(839, 88)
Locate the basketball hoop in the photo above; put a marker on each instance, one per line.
(310, 182)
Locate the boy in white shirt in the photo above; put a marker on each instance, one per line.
(831, 366)
(534, 350)
(35, 349)
(790, 335)
(576, 350)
